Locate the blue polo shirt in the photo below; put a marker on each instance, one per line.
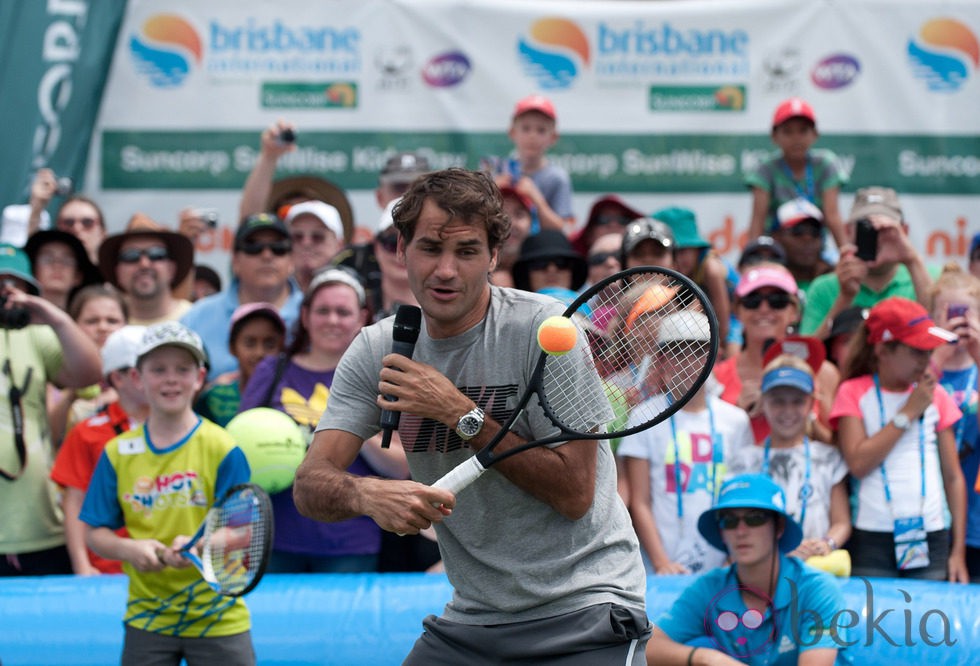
(711, 613)
(211, 318)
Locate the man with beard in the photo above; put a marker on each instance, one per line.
(896, 270)
(146, 265)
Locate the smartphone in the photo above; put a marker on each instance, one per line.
(287, 136)
(866, 239)
(954, 310)
(208, 215)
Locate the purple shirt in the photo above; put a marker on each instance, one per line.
(303, 394)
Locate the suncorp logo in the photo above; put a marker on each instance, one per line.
(553, 52)
(165, 49)
(943, 54)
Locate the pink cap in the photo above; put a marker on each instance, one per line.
(794, 107)
(267, 310)
(766, 275)
(538, 103)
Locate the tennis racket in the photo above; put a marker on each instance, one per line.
(654, 349)
(231, 547)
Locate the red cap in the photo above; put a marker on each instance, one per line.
(803, 347)
(902, 320)
(794, 107)
(538, 103)
(508, 191)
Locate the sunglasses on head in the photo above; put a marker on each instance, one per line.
(69, 223)
(133, 255)
(561, 263)
(280, 248)
(389, 241)
(599, 258)
(729, 521)
(779, 300)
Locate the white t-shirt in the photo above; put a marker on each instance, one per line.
(703, 461)
(787, 467)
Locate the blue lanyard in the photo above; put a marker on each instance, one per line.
(967, 392)
(922, 450)
(806, 490)
(810, 193)
(715, 456)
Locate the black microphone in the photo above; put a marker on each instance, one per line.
(408, 321)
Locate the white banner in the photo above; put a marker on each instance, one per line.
(666, 103)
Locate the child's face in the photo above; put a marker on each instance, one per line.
(533, 134)
(686, 260)
(257, 338)
(794, 138)
(901, 364)
(786, 409)
(170, 378)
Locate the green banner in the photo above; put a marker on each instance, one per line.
(54, 58)
(913, 164)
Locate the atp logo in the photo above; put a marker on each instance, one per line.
(553, 52)
(944, 53)
(165, 50)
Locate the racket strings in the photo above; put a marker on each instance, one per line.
(656, 349)
(233, 542)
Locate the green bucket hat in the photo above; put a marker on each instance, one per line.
(684, 225)
(14, 262)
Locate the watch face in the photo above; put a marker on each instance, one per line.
(470, 425)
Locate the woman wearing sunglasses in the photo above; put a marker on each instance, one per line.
(766, 608)
(767, 304)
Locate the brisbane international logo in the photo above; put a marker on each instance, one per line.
(165, 49)
(944, 53)
(553, 52)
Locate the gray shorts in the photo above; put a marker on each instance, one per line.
(595, 636)
(145, 648)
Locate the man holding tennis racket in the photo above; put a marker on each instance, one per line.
(540, 551)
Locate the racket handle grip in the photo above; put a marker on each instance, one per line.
(461, 476)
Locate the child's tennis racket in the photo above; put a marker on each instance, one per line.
(657, 350)
(232, 546)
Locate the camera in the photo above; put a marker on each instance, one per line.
(209, 216)
(866, 239)
(64, 187)
(14, 318)
(287, 135)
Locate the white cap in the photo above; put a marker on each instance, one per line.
(172, 334)
(797, 210)
(387, 219)
(121, 347)
(684, 325)
(324, 212)
(334, 275)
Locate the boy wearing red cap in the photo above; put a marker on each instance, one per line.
(548, 186)
(796, 172)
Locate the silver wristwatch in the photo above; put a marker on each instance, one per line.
(470, 424)
(901, 421)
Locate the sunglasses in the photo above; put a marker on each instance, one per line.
(280, 248)
(599, 258)
(561, 263)
(388, 242)
(69, 223)
(606, 220)
(779, 300)
(729, 521)
(133, 255)
(316, 237)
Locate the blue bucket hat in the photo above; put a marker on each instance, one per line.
(684, 225)
(750, 491)
(787, 376)
(15, 263)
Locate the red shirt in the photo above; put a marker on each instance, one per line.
(79, 454)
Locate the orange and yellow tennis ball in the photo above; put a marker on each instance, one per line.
(557, 335)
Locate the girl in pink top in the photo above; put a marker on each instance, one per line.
(895, 430)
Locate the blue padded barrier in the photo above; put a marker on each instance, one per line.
(375, 619)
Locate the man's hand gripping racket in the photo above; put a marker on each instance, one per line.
(231, 547)
(656, 353)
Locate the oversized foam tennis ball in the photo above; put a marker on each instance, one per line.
(272, 442)
(557, 335)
